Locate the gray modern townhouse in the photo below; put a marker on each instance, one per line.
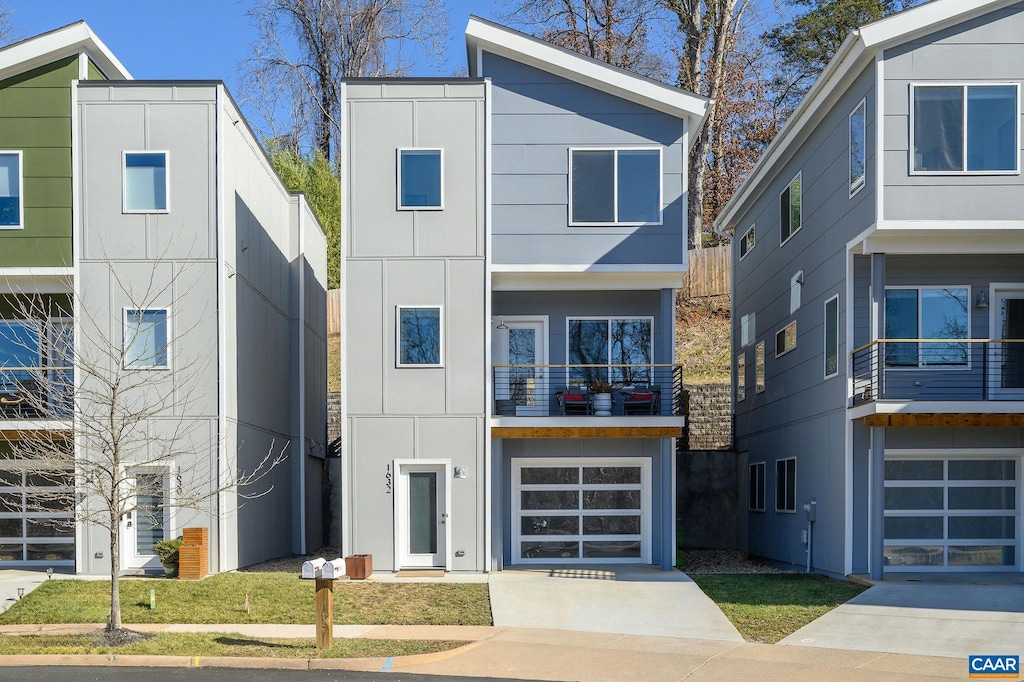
(175, 262)
(511, 245)
(878, 304)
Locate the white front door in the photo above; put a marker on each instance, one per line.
(147, 524)
(1006, 360)
(520, 344)
(421, 515)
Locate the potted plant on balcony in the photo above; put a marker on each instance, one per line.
(602, 391)
(167, 550)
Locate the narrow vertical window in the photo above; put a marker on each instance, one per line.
(759, 367)
(420, 179)
(145, 339)
(419, 336)
(145, 182)
(858, 147)
(11, 205)
(785, 339)
(791, 208)
(755, 483)
(785, 485)
(747, 242)
(832, 337)
(741, 375)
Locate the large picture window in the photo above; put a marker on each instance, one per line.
(858, 147)
(145, 182)
(419, 336)
(965, 128)
(625, 345)
(615, 186)
(791, 205)
(19, 354)
(146, 339)
(420, 179)
(12, 208)
(926, 313)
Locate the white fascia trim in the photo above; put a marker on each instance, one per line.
(853, 54)
(63, 42)
(964, 226)
(589, 421)
(586, 281)
(502, 41)
(37, 272)
(572, 267)
(937, 407)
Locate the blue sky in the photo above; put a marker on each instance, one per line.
(192, 39)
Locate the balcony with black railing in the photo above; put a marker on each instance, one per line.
(649, 390)
(938, 370)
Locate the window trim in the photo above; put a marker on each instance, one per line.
(789, 188)
(21, 189)
(124, 182)
(964, 85)
(757, 481)
(751, 236)
(920, 367)
(759, 367)
(398, 336)
(858, 183)
(824, 335)
(783, 509)
(741, 375)
(398, 185)
(781, 331)
(608, 318)
(615, 185)
(124, 338)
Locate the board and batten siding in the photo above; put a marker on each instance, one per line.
(983, 50)
(801, 414)
(538, 116)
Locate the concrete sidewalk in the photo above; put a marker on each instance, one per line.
(538, 654)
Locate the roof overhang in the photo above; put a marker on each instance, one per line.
(67, 41)
(942, 237)
(483, 35)
(860, 48)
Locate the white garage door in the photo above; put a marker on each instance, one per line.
(581, 510)
(952, 514)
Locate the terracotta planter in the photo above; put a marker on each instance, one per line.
(359, 566)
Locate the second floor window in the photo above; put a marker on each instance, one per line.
(964, 128)
(832, 337)
(858, 147)
(785, 339)
(19, 353)
(11, 204)
(741, 375)
(614, 186)
(419, 336)
(759, 367)
(420, 179)
(791, 208)
(146, 339)
(145, 182)
(926, 313)
(624, 344)
(747, 242)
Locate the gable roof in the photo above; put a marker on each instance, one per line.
(862, 46)
(483, 35)
(59, 43)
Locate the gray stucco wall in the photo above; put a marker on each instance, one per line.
(984, 50)
(537, 117)
(800, 414)
(420, 258)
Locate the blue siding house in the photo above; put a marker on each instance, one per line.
(511, 246)
(878, 304)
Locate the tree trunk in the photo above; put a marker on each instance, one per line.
(115, 575)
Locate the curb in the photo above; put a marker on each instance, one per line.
(378, 664)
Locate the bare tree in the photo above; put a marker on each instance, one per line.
(617, 32)
(106, 441)
(7, 33)
(708, 29)
(305, 47)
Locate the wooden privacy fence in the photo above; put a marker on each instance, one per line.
(708, 272)
(709, 275)
(334, 311)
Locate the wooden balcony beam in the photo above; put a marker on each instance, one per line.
(946, 419)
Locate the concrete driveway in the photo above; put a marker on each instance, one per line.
(952, 615)
(624, 599)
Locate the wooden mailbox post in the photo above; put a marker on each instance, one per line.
(324, 613)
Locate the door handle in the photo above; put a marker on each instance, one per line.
(129, 524)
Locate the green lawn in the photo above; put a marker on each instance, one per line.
(273, 598)
(214, 644)
(768, 607)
